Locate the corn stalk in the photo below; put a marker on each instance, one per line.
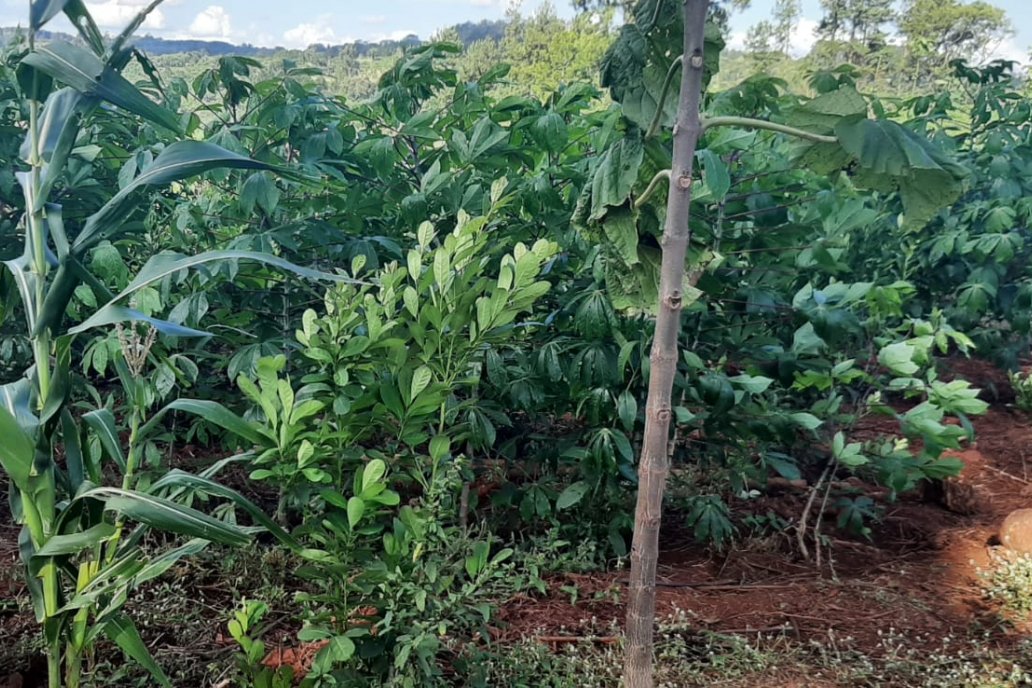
(80, 540)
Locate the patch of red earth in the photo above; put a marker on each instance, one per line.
(919, 575)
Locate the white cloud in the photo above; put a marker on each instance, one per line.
(212, 24)
(803, 37)
(394, 35)
(115, 14)
(304, 35)
(801, 40)
(1007, 49)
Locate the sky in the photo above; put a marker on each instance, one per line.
(299, 23)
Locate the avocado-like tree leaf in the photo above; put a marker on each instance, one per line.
(635, 67)
(889, 153)
(615, 174)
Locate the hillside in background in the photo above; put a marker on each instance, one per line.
(466, 33)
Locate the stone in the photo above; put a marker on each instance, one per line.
(1016, 531)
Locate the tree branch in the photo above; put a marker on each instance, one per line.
(652, 188)
(750, 123)
(657, 119)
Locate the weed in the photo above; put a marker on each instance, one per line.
(1008, 581)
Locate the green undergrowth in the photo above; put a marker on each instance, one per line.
(687, 657)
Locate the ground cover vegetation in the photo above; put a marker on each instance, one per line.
(367, 373)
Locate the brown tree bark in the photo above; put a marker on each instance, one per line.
(655, 462)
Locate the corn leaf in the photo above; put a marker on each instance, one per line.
(122, 631)
(86, 73)
(180, 160)
(167, 516)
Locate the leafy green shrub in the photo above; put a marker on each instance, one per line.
(1021, 384)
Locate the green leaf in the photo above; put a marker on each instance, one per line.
(806, 420)
(636, 66)
(167, 516)
(340, 649)
(260, 190)
(440, 445)
(111, 314)
(180, 479)
(887, 151)
(627, 410)
(715, 174)
(622, 232)
(75, 542)
(83, 22)
(102, 421)
(356, 508)
(164, 561)
(898, 358)
(86, 73)
(122, 631)
(16, 450)
(752, 384)
(180, 160)
(420, 380)
(218, 414)
(550, 131)
(373, 473)
(166, 264)
(572, 495)
(615, 174)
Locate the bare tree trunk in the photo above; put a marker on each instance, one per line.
(654, 462)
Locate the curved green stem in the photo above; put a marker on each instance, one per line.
(750, 123)
(661, 176)
(657, 119)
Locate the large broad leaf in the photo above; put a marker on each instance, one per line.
(889, 153)
(167, 516)
(181, 160)
(16, 450)
(621, 230)
(123, 632)
(180, 479)
(165, 264)
(86, 73)
(616, 174)
(636, 66)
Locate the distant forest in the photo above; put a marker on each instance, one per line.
(467, 33)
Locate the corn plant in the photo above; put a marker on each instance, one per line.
(81, 538)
